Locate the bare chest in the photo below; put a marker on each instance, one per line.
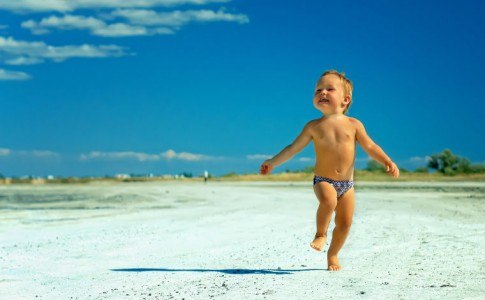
(334, 135)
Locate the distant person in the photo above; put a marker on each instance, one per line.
(206, 176)
(334, 136)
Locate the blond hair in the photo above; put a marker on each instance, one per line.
(348, 85)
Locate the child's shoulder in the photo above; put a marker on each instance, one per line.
(313, 122)
(354, 121)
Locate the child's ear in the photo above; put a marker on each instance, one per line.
(347, 99)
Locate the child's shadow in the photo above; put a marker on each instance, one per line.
(225, 271)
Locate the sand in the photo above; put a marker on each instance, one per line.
(190, 240)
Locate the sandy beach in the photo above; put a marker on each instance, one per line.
(223, 240)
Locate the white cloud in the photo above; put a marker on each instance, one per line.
(29, 153)
(170, 154)
(306, 159)
(130, 155)
(13, 75)
(419, 159)
(23, 60)
(121, 29)
(120, 156)
(17, 50)
(71, 5)
(5, 152)
(177, 18)
(96, 26)
(258, 156)
(64, 22)
(142, 22)
(40, 153)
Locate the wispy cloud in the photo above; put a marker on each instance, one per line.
(258, 156)
(144, 157)
(33, 6)
(5, 152)
(177, 18)
(29, 153)
(130, 155)
(23, 61)
(306, 159)
(140, 22)
(38, 52)
(13, 75)
(94, 25)
(39, 153)
(105, 18)
(419, 159)
(170, 154)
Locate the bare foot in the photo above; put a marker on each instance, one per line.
(318, 242)
(333, 264)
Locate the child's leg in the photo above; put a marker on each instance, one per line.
(343, 220)
(327, 198)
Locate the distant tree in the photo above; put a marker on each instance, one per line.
(421, 170)
(308, 170)
(448, 163)
(374, 166)
(477, 168)
(1, 176)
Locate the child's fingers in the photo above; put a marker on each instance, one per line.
(392, 170)
(264, 169)
(395, 172)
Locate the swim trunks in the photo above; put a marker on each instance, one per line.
(340, 186)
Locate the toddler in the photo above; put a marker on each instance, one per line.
(334, 136)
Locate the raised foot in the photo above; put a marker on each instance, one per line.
(333, 263)
(318, 242)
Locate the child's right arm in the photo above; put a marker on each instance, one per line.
(289, 151)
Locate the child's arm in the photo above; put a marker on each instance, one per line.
(374, 150)
(288, 152)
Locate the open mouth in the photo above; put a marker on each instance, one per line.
(323, 101)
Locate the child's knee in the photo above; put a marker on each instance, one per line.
(328, 202)
(344, 223)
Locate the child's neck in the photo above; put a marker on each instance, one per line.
(336, 113)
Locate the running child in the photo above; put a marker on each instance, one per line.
(334, 136)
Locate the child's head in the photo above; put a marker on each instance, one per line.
(343, 90)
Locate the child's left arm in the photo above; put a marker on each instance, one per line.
(374, 150)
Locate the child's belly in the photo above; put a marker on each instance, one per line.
(337, 164)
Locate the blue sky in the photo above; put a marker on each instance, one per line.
(165, 86)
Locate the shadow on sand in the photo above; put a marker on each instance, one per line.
(225, 271)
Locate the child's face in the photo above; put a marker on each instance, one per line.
(329, 96)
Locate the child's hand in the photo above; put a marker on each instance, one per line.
(392, 169)
(266, 167)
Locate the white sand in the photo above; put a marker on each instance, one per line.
(238, 241)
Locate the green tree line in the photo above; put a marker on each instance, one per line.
(444, 162)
